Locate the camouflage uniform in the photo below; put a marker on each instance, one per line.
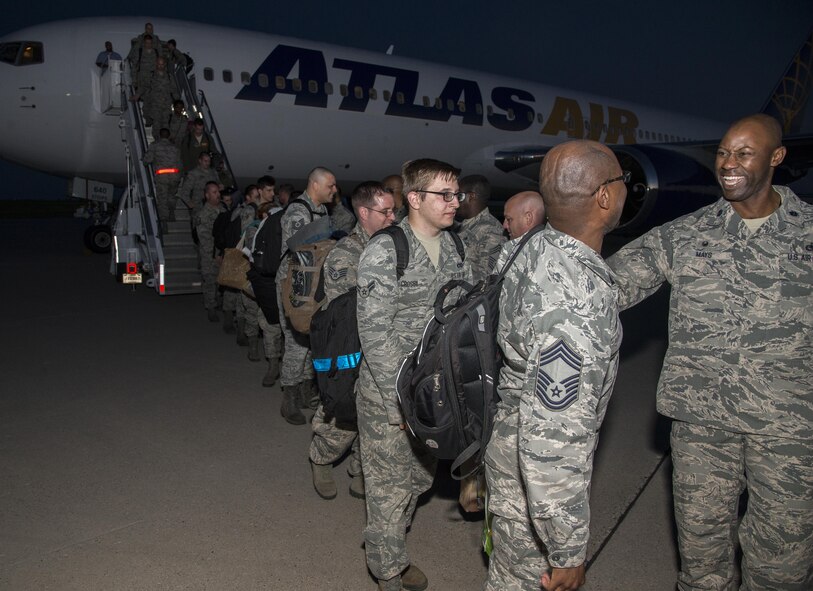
(483, 237)
(158, 93)
(331, 441)
(342, 219)
(164, 154)
(192, 147)
(177, 125)
(255, 319)
(204, 220)
(142, 62)
(193, 186)
(560, 335)
(391, 317)
(737, 381)
(296, 358)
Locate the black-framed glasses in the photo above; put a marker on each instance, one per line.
(625, 176)
(385, 212)
(447, 195)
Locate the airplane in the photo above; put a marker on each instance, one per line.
(283, 105)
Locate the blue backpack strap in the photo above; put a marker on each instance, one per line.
(401, 247)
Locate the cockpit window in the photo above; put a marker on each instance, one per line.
(22, 53)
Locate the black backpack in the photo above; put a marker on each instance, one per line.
(334, 339)
(226, 230)
(447, 385)
(267, 252)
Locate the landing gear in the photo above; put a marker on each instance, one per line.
(98, 238)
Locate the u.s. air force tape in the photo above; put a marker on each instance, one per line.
(557, 376)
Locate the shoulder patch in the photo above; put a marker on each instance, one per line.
(558, 376)
(336, 274)
(365, 291)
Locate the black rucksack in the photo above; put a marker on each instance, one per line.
(227, 230)
(334, 338)
(268, 251)
(447, 385)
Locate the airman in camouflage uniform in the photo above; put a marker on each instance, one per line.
(209, 259)
(392, 314)
(560, 336)
(737, 377)
(177, 122)
(142, 58)
(296, 377)
(158, 93)
(480, 231)
(375, 209)
(394, 185)
(191, 190)
(165, 158)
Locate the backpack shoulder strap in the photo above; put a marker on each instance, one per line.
(305, 203)
(458, 244)
(401, 247)
(517, 247)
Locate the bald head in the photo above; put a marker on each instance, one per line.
(766, 126)
(581, 188)
(522, 212)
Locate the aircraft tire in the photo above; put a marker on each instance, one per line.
(98, 238)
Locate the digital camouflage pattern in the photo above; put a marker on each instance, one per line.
(331, 440)
(164, 154)
(737, 379)
(204, 221)
(296, 358)
(193, 186)
(392, 314)
(157, 94)
(560, 336)
(483, 237)
(740, 316)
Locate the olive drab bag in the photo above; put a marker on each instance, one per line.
(447, 386)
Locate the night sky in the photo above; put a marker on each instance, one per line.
(718, 60)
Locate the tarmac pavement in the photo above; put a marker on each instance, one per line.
(139, 451)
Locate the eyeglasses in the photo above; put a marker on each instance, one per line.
(447, 195)
(625, 176)
(385, 212)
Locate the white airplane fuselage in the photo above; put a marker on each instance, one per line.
(376, 111)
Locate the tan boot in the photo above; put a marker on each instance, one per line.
(323, 480)
(393, 584)
(357, 487)
(413, 579)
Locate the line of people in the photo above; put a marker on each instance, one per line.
(735, 381)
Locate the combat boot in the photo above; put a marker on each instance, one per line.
(393, 584)
(254, 349)
(310, 395)
(242, 339)
(211, 314)
(413, 579)
(228, 321)
(323, 480)
(272, 374)
(357, 487)
(290, 408)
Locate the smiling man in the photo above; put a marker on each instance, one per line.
(392, 313)
(737, 378)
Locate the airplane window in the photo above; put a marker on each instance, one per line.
(530, 116)
(262, 80)
(571, 124)
(328, 88)
(313, 86)
(646, 133)
(343, 89)
(31, 54)
(208, 74)
(660, 136)
(373, 94)
(426, 102)
(358, 92)
(449, 105)
(539, 117)
(438, 103)
(586, 125)
(461, 106)
(297, 83)
(640, 133)
(9, 51)
(245, 78)
(478, 108)
(399, 98)
(227, 76)
(511, 115)
(279, 82)
(489, 110)
(387, 95)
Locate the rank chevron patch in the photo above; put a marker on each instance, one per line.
(557, 376)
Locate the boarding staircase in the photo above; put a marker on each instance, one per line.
(168, 257)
